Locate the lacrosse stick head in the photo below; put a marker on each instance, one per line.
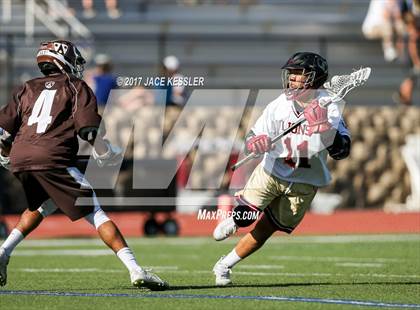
(340, 85)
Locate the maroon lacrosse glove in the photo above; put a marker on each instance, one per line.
(317, 118)
(258, 144)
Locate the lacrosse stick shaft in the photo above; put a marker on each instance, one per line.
(274, 140)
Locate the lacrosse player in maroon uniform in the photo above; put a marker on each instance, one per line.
(44, 119)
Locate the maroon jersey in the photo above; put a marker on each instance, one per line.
(45, 115)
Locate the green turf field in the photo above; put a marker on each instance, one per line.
(320, 272)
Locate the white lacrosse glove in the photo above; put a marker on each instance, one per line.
(111, 157)
(416, 71)
(5, 161)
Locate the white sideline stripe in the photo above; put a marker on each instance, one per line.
(349, 238)
(337, 259)
(346, 261)
(260, 266)
(361, 265)
(82, 270)
(162, 267)
(70, 270)
(94, 252)
(191, 241)
(175, 269)
(73, 252)
(319, 274)
(178, 255)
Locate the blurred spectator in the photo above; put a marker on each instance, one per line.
(416, 7)
(242, 3)
(175, 95)
(102, 80)
(411, 13)
(111, 6)
(383, 17)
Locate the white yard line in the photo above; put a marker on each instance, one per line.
(360, 265)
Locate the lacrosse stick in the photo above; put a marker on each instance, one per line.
(338, 87)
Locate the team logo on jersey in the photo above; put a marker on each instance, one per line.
(49, 84)
(60, 48)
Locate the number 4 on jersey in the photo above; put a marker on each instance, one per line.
(41, 110)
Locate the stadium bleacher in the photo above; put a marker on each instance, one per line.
(228, 44)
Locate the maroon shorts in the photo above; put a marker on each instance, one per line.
(63, 186)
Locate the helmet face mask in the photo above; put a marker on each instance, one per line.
(79, 69)
(296, 83)
(302, 72)
(62, 54)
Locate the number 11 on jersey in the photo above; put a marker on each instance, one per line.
(303, 160)
(41, 110)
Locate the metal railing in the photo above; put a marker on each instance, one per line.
(61, 25)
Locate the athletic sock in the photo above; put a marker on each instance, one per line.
(128, 259)
(12, 241)
(231, 259)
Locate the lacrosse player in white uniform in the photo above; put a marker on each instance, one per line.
(283, 185)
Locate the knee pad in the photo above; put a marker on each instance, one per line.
(244, 213)
(97, 217)
(47, 208)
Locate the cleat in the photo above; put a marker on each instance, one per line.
(222, 273)
(225, 229)
(4, 261)
(144, 278)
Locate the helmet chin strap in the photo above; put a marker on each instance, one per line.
(59, 66)
(64, 71)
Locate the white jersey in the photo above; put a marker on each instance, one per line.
(298, 157)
